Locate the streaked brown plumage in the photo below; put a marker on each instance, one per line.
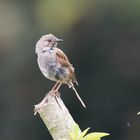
(54, 63)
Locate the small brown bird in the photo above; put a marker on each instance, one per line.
(54, 63)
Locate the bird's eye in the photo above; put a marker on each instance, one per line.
(49, 40)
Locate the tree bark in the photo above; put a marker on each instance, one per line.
(56, 117)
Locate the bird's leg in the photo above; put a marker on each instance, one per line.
(56, 90)
(57, 94)
(54, 87)
(52, 90)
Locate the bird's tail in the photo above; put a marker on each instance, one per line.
(79, 98)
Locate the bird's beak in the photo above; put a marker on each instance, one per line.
(59, 40)
(55, 43)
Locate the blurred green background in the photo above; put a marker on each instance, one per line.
(102, 41)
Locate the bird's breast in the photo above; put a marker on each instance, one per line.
(46, 61)
(51, 68)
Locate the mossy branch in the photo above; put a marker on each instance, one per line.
(60, 123)
(56, 117)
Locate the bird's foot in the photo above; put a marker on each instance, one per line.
(55, 93)
(40, 105)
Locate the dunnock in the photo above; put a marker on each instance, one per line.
(54, 63)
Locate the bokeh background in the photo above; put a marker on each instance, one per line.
(102, 41)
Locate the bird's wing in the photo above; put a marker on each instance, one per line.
(63, 60)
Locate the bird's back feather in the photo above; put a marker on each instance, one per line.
(63, 60)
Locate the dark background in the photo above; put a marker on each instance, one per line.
(102, 41)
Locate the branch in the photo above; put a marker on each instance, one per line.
(56, 117)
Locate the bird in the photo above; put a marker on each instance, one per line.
(54, 64)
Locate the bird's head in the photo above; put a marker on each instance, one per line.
(46, 42)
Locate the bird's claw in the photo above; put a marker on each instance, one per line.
(55, 93)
